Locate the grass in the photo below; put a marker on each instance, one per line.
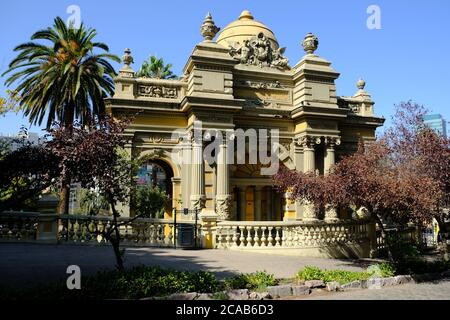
(257, 281)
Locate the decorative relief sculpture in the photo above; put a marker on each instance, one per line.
(198, 202)
(223, 206)
(261, 103)
(258, 51)
(155, 91)
(259, 85)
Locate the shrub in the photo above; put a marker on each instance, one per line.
(220, 296)
(149, 201)
(384, 269)
(134, 283)
(402, 249)
(253, 281)
(341, 276)
(421, 266)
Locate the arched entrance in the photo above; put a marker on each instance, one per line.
(157, 173)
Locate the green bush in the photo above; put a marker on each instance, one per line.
(402, 249)
(220, 296)
(384, 269)
(253, 281)
(421, 266)
(135, 283)
(148, 201)
(341, 276)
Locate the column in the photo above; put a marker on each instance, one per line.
(186, 157)
(309, 165)
(329, 154)
(298, 158)
(198, 197)
(308, 156)
(242, 203)
(331, 213)
(223, 197)
(258, 213)
(269, 213)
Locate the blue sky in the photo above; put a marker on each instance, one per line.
(408, 58)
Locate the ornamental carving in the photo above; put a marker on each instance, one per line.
(354, 107)
(258, 51)
(155, 91)
(223, 204)
(208, 28)
(308, 141)
(261, 103)
(198, 202)
(259, 85)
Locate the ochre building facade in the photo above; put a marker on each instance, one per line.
(240, 79)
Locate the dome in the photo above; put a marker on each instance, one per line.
(244, 28)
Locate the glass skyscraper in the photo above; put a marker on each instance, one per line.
(436, 122)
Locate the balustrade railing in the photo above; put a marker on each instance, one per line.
(16, 226)
(81, 229)
(296, 234)
(406, 234)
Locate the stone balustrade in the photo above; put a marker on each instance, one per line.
(342, 238)
(79, 229)
(290, 234)
(18, 226)
(409, 234)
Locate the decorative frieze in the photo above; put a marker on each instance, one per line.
(158, 91)
(259, 84)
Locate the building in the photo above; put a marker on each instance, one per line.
(239, 82)
(15, 141)
(437, 123)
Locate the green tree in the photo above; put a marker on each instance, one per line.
(149, 201)
(62, 80)
(155, 68)
(9, 104)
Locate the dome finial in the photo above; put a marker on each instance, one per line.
(208, 28)
(246, 15)
(310, 43)
(360, 84)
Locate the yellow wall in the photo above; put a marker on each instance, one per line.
(157, 121)
(299, 127)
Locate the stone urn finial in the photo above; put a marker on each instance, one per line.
(126, 71)
(310, 43)
(360, 84)
(208, 28)
(127, 58)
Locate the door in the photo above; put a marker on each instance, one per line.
(250, 205)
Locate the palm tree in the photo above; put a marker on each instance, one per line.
(155, 68)
(63, 80)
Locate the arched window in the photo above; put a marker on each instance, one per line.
(153, 174)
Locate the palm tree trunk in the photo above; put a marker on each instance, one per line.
(64, 195)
